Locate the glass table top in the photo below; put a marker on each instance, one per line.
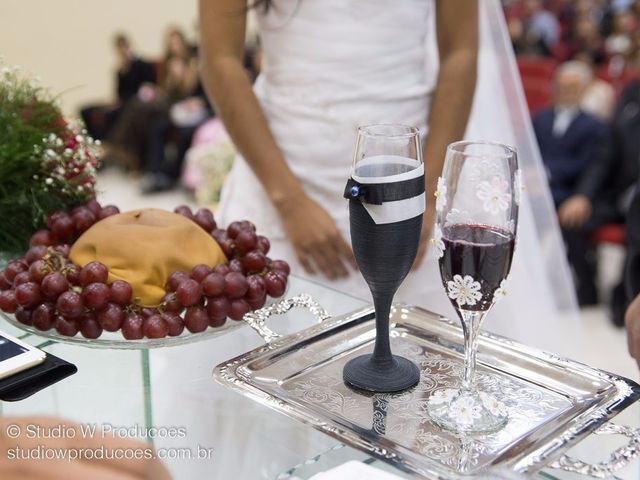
(173, 387)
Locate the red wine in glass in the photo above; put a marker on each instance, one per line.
(480, 251)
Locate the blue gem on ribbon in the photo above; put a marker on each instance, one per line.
(355, 191)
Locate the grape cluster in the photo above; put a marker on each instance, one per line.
(44, 289)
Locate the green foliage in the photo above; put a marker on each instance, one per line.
(30, 123)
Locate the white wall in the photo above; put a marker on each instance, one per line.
(68, 43)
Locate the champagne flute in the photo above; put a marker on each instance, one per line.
(476, 219)
(386, 203)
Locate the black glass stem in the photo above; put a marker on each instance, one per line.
(385, 254)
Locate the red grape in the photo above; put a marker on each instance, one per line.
(63, 249)
(93, 272)
(108, 211)
(24, 316)
(53, 285)
(217, 322)
(43, 316)
(175, 323)
(28, 295)
(42, 237)
(155, 327)
(218, 308)
(171, 304)
(234, 229)
(120, 292)
(263, 244)
(199, 272)
(8, 301)
(189, 292)
(4, 283)
(221, 269)
(257, 303)
(53, 216)
(174, 281)
(204, 218)
(281, 266)
(14, 267)
(235, 265)
(22, 277)
(254, 261)
(235, 285)
(96, 296)
(213, 285)
(227, 247)
(239, 307)
(38, 270)
(94, 206)
(247, 225)
(111, 317)
(149, 311)
(256, 287)
(196, 319)
(63, 227)
(89, 327)
(219, 234)
(275, 284)
(246, 241)
(132, 326)
(83, 218)
(72, 272)
(184, 210)
(70, 304)
(35, 253)
(66, 326)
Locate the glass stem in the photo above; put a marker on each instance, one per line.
(382, 348)
(470, 327)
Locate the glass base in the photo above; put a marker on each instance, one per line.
(367, 373)
(466, 411)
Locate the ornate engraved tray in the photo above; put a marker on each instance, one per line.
(553, 402)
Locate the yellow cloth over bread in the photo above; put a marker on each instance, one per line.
(144, 247)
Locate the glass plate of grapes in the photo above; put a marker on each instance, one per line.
(45, 293)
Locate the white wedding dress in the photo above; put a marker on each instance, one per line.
(329, 66)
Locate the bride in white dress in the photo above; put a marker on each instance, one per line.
(329, 66)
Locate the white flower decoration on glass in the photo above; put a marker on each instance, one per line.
(494, 406)
(444, 395)
(464, 290)
(511, 226)
(518, 186)
(441, 195)
(494, 195)
(465, 410)
(437, 241)
(500, 292)
(482, 169)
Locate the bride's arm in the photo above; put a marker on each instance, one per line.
(313, 233)
(457, 34)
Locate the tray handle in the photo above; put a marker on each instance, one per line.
(619, 459)
(257, 319)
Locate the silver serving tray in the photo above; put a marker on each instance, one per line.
(553, 402)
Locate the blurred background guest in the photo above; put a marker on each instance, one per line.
(132, 73)
(162, 115)
(569, 138)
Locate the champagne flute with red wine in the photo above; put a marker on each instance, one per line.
(476, 219)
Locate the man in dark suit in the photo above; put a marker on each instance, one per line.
(570, 141)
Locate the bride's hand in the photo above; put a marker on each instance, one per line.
(316, 239)
(425, 236)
